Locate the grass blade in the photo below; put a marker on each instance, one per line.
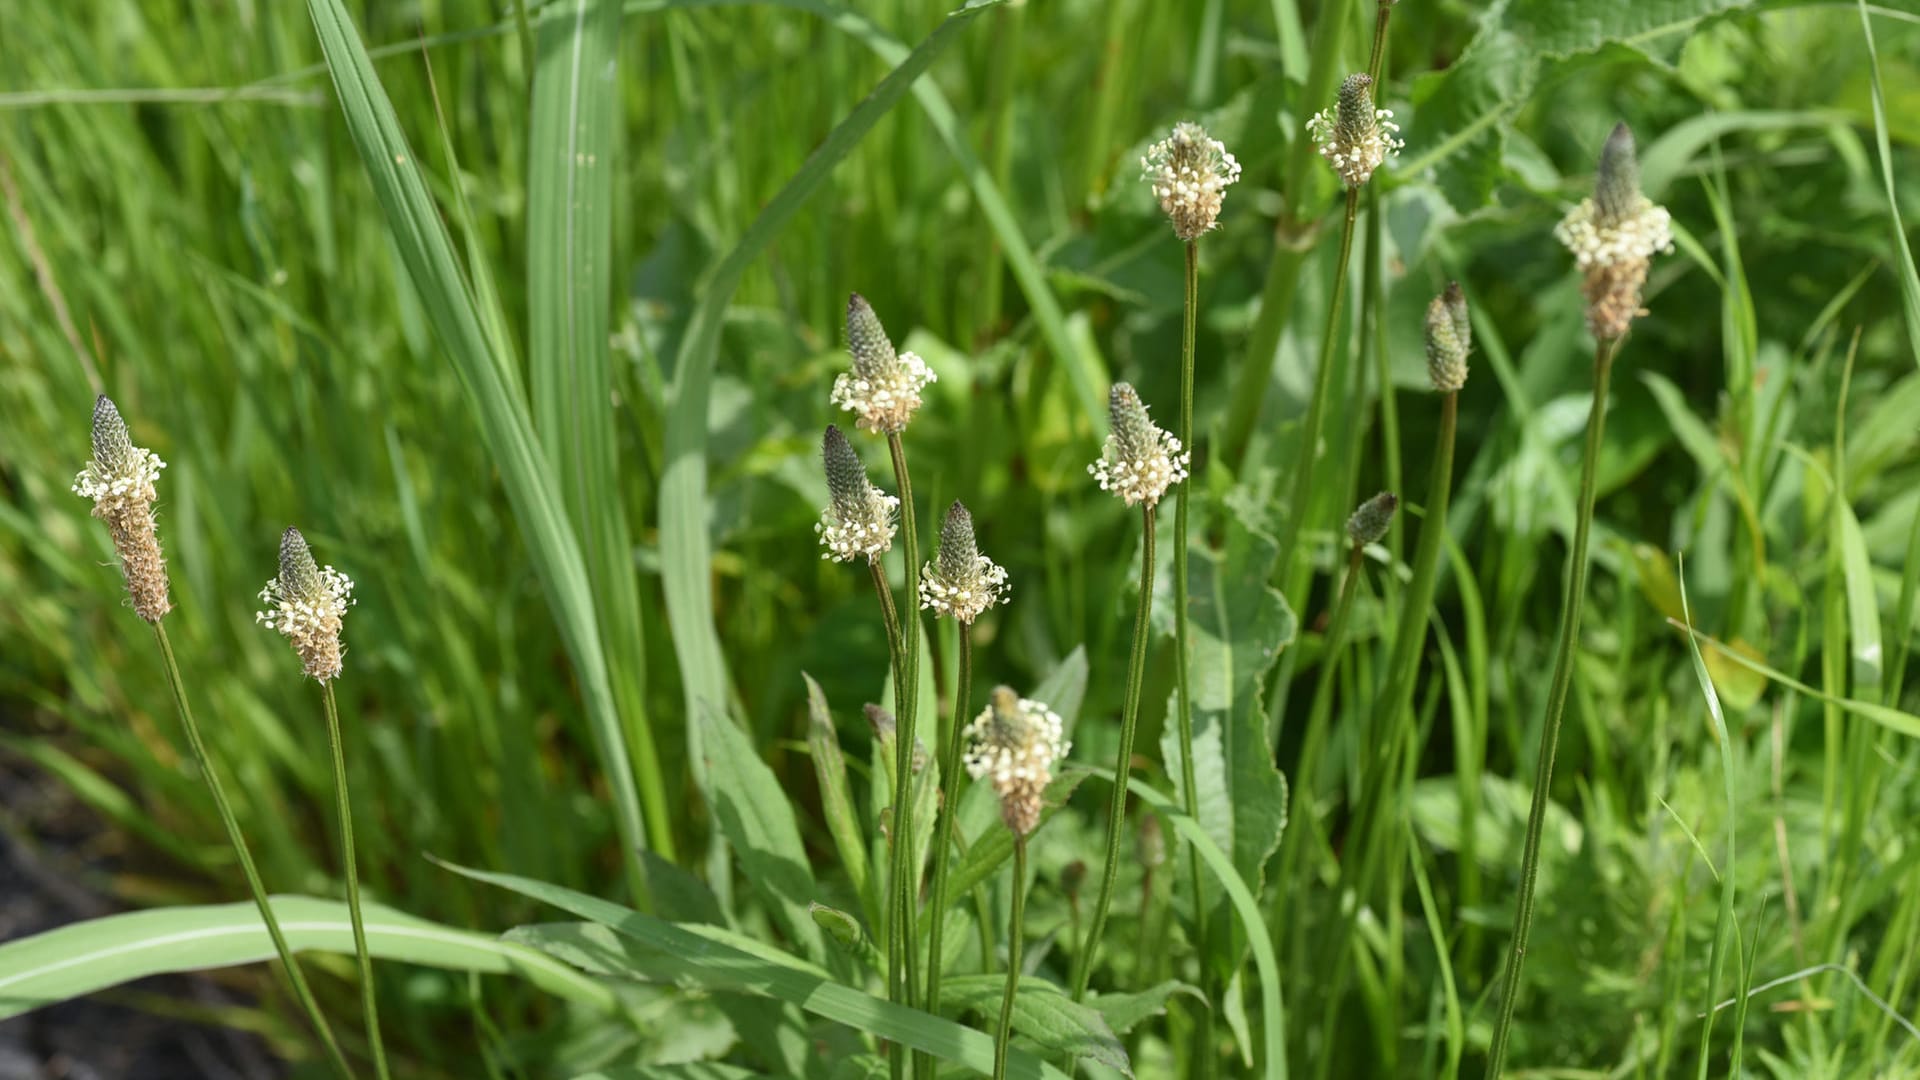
(93, 955)
(427, 252)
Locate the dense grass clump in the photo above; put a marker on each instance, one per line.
(666, 374)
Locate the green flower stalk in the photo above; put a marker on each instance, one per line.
(307, 603)
(1189, 172)
(1612, 235)
(1014, 745)
(1139, 463)
(959, 583)
(120, 479)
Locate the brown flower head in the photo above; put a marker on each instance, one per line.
(120, 480)
(307, 603)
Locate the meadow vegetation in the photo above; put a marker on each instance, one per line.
(578, 331)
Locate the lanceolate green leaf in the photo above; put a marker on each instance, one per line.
(569, 283)
(427, 252)
(1043, 1012)
(99, 953)
(696, 956)
(685, 548)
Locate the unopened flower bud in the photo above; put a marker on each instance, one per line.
(1370, 521)
(1140, 461)
(120, 480)
(1449, 333)
(1151, 842)
(883, 389)
(858, 519)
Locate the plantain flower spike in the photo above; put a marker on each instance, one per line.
(119, 479)
(1449, 333)
(858, 519)
(1613, 236)
(1371, 519)
(960, 581)
(1139, 461)
(1189, 172)
(307, 602)
(883, 389)
(1353, 136)
(1014, 744)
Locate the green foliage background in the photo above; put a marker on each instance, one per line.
(191, 231)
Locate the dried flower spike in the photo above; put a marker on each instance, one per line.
(859, 519)
(1015, 744)
(960, 581)
(1449, 334)
(1613, 236)
(1189, 172)
(1140, 461)
(883, 389)
(307, 603)
(1353, 136)
(119, 479)
(1370, 521)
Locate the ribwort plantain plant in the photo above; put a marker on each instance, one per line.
(307, 603)
(120, 480)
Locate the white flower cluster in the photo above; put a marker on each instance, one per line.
(1355, 149)
(965, 597)
(117, 486)
(886, 401)
(1637, 237)
(1146, 478)
(314, 611)
(1189, 172)
(868, 532)
(1013, 745)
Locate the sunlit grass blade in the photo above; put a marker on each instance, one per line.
(570, 283)
(427, 252)
(85, 957)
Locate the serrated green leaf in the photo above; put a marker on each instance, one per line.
(1043, 1013)
(1460, 117)
(1124, 1012)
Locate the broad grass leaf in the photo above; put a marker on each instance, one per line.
(836, 799)
(1045, 1014)
(754, 814)
(85, 957)
(1238, 626)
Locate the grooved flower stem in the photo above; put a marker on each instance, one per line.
(301, 990)
(890, 618)
(949, 805)
(367, 1003)
(1014, 934)
(1556, 705)
(906, 699)
(1203, 1032)
(1117, 808)
(1317, 405)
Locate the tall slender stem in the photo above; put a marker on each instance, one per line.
(907, 699)
(301, 990)
(1117, 807)
(1014, 934)
(890, 617)
(1317, 405)
(1556, 704)
(949, 805)
(367, 1003)
(1203, 1034)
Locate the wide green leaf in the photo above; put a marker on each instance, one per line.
(1043, 1013)
(757, 820)
(84, 957)
(1238, 626)
(427, 253)
(709, 958)
(836, 799)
